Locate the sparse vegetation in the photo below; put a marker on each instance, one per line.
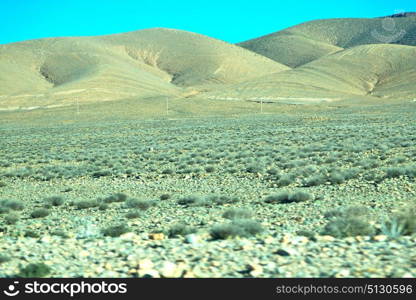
(191, 200)
(119, 197)
(346, 226)
(4, 258)
(11, 205)
(85, 204)
(165, 197)
(31, 234)
(180, 229)
(55, 201)
(139, 204)
(237, 213)
(404, 221)
(34, 270)
(39, 213)
(350, 155)
(133, 215)
(11, 219)
(115, 230)
(103, 206)
(239, 227)
(286, 197)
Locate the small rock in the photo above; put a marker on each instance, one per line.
(157, 236)
(380, 238)
(286, 239)
(145, 264)
(215, 263)
(298, 240)
(343, 273)
(128, 236)
(325, 238)
(84, 253)
(192, 239)
(360, 238)
(286, 252)
(309, 260)
(172, 270)
(243, 245)
(167, 269)
(46, 239)
(200, 272)
(349, 239)
(148, 274)
(268, 240)
(188, 274)
(255, 270)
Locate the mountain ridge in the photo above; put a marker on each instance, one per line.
(323, 59)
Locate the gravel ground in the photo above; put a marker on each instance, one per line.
(64, 160)
(148, 251)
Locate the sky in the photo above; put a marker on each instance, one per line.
(232, 21)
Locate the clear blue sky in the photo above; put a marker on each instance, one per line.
(232, 21)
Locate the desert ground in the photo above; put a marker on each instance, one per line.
(164, 153)
(313, 190)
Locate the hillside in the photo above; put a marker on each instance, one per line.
(374, 70)
(306, 42)
(139, 64)
(314, 61)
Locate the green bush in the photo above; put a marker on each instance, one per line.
(406, 219)
(60, 233)
(4, 210)
(180, 229)
(34, 270)
(11, 219)
(307, 233)
(103, 206)
(55, 200)
(191, 200)
(273, 171)
(336, 178)
(254, 168)
(31, 233)
(4, 258)
(133, 215)
(285, 180)
(299, 196)
(101, 173)
(237, 213)
(115, 230)
(165, 197)
(341, 227)
(286, 197)
(314, 180)
(220, 199)
(242, 228)
(119, 197)
(39, 213)
(12, 204)
(85, 204)
(167, 171)
(210, 169)
(348, 211)
(282, 197)
(139, 204)
(395, 172)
